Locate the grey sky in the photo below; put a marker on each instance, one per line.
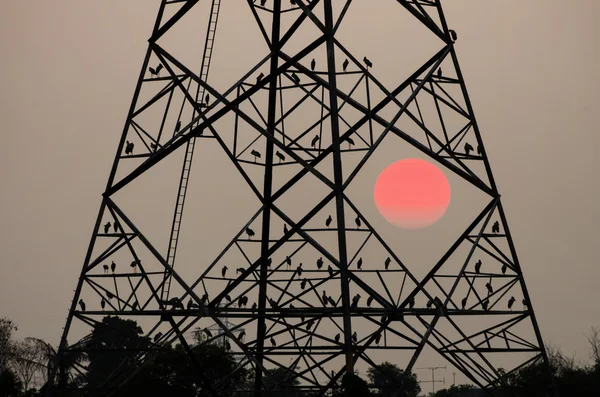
(69, 68)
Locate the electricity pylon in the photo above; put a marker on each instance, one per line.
(315, 288)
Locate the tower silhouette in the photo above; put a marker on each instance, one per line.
(306, 285)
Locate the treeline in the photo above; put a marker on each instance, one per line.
(112, 356)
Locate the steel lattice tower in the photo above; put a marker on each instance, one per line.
(294, 295)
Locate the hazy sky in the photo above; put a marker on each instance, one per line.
(69, 68)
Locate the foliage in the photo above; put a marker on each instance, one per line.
(390, 381)
(10, 386)
(354, 386)
(6, 345)
(455, 391)
(280, 382)
(115, 343)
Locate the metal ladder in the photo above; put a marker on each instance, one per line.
(189, 151)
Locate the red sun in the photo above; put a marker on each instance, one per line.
(412, 194)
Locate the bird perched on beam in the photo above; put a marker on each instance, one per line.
(106, 227)
(250, 232)
(496, 227)
(255, 154)
(320, 263)
(368, 62)
(478, 266)
(155, 71)
(328, 221)
(314, 141)
(313, 64)
(280, 156)
(345, 64)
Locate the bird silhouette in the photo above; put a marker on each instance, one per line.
(155, 71)
(106, 227)
(273, 343)
(207, 99)
(478, 266)
(350, 142)
(479, 150)
(250, 232)
(240, 270)
(285, 229)
(359, 263)
(135, 264)
(295, 78)
(242, 335)
(453, 35)
(82, 304)
(299, 270)
(337, 338)
(429, 304)
(345, 64)
(224, 271)
(463, 302)
(102, 303)
(357, 221)
(511, 302)
(116, 225)
(228, 298)
(324, 298)
(354, 337)
(330, 270)
(253, 308)
(378, 338)
(468, 148)
(368, 62)
(129, 147)
(303, 284)
(288, 261)
(113, 266)
(439, 72)
(314, 141)
(387, 262)
(504, 268)
(313, 64)
(260, 77)
(328, 221)
(273, 303)
(320, 263)
(178, 126)
(525, 304)
(489, 287)
(411, 302)
(355, 301)
(331, 301)
(485, 304)
(496, 227)
(309, 324)
(369, 301)
(109, 295)
(105, 267)
(157, 336)
(227, 345)
(207, 332)
(255, 154)
(280, 156)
